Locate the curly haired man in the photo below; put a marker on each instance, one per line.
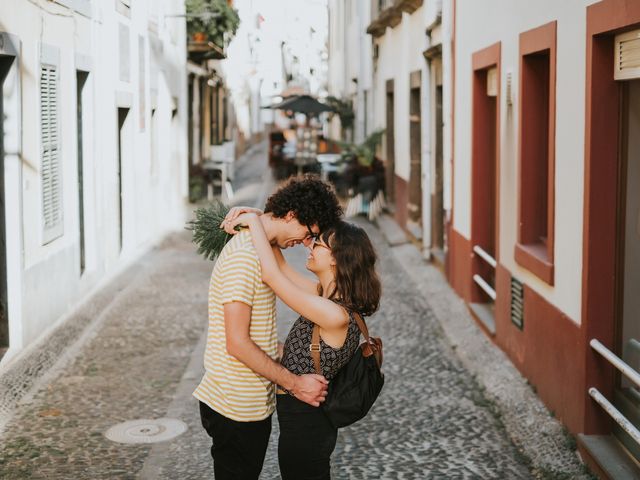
(237, 392)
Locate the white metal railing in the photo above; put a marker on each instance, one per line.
(616, 361)
(485, 256)
(608, 407)
(484, 286)
(481, 282)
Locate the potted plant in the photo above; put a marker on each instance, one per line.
(211, 20)
(344, 110)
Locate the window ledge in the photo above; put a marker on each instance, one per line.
(534, 258)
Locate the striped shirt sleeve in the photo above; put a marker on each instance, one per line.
(240, 275)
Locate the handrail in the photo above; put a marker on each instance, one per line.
(614, 413)
(484, 286)
(634, 344)
(628, 372)
(485, 256)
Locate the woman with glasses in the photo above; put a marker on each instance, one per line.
(343, 260)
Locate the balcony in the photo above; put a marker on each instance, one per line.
(408, 6)
(385, 14)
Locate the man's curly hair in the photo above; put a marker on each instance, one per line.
(312, 201)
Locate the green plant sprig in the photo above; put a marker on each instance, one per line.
(207, 234)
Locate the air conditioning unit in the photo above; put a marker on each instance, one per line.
(627, 56)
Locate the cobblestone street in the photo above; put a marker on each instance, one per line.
(142, 359)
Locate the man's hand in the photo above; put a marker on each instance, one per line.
(310, 388)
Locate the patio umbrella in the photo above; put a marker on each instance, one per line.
(303, 104)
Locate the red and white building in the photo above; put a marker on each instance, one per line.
(528, 151)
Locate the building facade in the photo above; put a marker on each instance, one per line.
(510, 150)
(94, 142)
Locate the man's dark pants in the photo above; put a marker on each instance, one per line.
(238, 448)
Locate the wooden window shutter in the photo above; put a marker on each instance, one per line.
(627, 56)
(51, 171)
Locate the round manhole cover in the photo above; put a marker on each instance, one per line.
(146, 431)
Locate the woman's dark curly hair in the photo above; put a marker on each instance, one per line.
(312, 201)
(357, 285)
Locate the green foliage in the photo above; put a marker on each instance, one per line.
(364, 152)
(344, 110)
(207, 234)
(224, 23)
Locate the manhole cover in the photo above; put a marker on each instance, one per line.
(146, 431)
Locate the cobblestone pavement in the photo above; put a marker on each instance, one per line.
(431, 421)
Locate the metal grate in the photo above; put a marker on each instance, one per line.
(517, 303)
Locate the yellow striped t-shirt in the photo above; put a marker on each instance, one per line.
(230, 387)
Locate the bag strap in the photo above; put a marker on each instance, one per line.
(314, 348)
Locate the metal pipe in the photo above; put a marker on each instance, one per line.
(485, 256)
(614, 413)
(612, 358)
(484, 286)
(634, 344)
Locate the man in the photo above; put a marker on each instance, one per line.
(237, 392)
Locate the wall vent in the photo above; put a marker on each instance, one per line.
(627, 56)
(517, 303)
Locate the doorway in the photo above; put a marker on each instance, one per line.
(5, 65)
(124, 158)
(415, 151)
(627, 394)
(437, 216)
(484, 185)
(390, 164)
(81, 82)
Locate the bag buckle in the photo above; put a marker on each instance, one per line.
(314, 347)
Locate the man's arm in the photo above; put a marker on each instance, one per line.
(311, 388)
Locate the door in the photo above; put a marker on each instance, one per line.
(390, 144)
(415, 135)
(627, 395)
(438, 240)
(124, 158)
(81, 81)
(5, 64)
(484, 194)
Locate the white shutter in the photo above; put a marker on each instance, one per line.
(627, 56)
(51, 173)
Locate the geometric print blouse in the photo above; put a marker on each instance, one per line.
(297, 357)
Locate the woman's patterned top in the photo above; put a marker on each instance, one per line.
(297, 357)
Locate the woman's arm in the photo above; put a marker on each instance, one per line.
(304, 282)
(326, 313)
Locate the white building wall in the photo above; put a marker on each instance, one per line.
(49, 280)
(507, 20)
(400, 53)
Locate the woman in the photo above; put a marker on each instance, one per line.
(343, 260)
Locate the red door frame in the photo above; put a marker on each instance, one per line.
(602, 129)
(483, 60)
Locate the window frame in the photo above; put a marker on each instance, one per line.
(537, 256)
(50, 59)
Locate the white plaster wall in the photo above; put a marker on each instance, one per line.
(479, 25)
(49, 279)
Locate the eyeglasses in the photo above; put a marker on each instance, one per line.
(312, 236)
(317, 241)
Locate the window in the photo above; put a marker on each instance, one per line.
(534, 249)
(50, 154)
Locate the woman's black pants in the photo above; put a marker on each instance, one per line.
(306, 441)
